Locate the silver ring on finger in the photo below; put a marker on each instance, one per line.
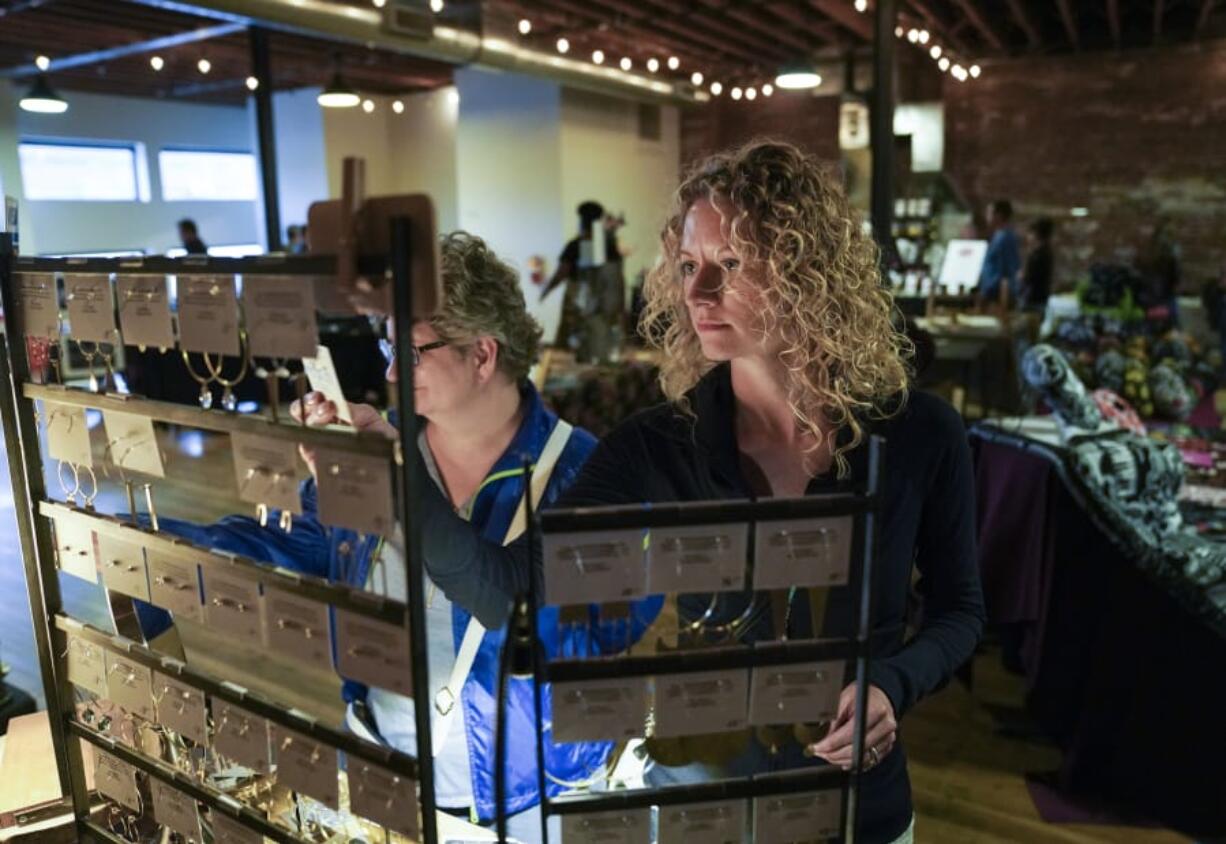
(874, 756)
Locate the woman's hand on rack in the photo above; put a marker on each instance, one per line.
(879, 738)
(319, 411)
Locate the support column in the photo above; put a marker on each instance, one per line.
(261, 70)
(881, 122)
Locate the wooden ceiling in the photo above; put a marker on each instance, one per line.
(726, 39)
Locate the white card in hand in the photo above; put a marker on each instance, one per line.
(631, 826)
(706, 558)
(794, 694)
(91, 308)
(711, 823)
(38, 302)
(226, 830)
(144, 311)
(174, 584)
(67, 434)
(354, 491)
(132, 443)
(373, 652)
(703, 702)
(321, 372)
(600, 710)
(130, 686)
(297, 627)
(383, 797)
(176, 810)
(305, 765)
(802, 553)
(240, 736)
(280, 313)
(181, 708)
(791, 818)
(594, 567)
(232, 603)
(208, 314)
(74, 548)
(87, 666)
(116, 779)
(123, 566)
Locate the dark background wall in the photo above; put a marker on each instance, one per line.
(810, 122)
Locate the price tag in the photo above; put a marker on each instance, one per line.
(208, 314)
(704, 702)
(600, 710)
(174, 584)
(123, 566)
(297, 627)
(305, 765)
(130, 686)
(355, 491)
(232, 603)
(132, 443)
(176, 810)
(226, 830)
(697, 559)
(266, 469)
(594, 567)
(802, 552)
(91, 308)
(712, 823)
(321, 372)
(632, 826)
(241, 736)
(87, 666)
(144, 311)
(280, 314)
(795, 694)
(383, 797)
(74, 548)
(116, 779)
(792, 818)
(40, 308)
(181, 708)
(67, 434)
(373, 652)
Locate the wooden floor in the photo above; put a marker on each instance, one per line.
(968, 779)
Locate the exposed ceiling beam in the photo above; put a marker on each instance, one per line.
(1159, 9)
(976, 17)
(111, 53)
(1023, 20)
(644, 16)
(753, 19)
(1205, 8)
(1070, 23)
(804, 18)
(942, 28)
(842, 13)
(1113, 21)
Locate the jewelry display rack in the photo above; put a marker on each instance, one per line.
(56, 633)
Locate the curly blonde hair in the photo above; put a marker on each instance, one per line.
(482, 298)
(823, 299)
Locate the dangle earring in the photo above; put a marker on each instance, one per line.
(229, 401)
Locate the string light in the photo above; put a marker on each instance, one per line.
(436, 6)
(653, 64)
(898, 32)
(913, 36)
(598, 56)
(736, 93)
(935, 52)
(943, 64)
(42, 62)
(525, 26)
(156, 63)
(625, 63)
(563, 45)
(751, 93)
(204, 65)
(924, 36)
(673, 62)
(861, 6)
(252, 83)
(716, 89)
(696, 78)
(379, 4)
(368, 106)
(975, 71)
(397, 106)
(768, 89)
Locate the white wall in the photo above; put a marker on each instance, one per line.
(302, 175)
(423, 143)
(925, 123)
(10, 169)
(62, 226)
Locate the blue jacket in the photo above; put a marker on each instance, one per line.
(315, 549)
(1003, 261)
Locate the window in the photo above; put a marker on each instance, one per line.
(98, 172)
(195, 174)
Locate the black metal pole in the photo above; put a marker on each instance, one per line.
(266, 135)
(881, 122)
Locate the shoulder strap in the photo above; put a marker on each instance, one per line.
(447, 697)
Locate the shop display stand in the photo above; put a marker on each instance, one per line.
(53, 628)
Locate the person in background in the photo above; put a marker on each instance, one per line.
(1040, 265)
(1004, 258)
(190, 237)
(591, 267)
(295, 240)
(1158, 264)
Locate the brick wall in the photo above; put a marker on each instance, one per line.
(812, 123)
(1133, 137)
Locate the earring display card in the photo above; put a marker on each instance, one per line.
(321, 372)
(602, 710)
(305, 765)
(632, 826)
(144, 311)
(280, 313)
(241, 736)
(67, 434)
(712, 823)
(355, 491)
(267, 471)
(708, 558)
(132, 443)
(802, 553)
(181, 708)
(87, 666)
(116, 779)
(91, 308)
(176, 810)
(594, 567)
(74, 548)
(123, 566)
(373, 652)
(786, 819)
(703, 702)
(130, 686)
(174, 584)
(232, 604)
(39, 303)
(383, 797)
(226, 830)
(792, 694)
(297, 627)
(208, 314)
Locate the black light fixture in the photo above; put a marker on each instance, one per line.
(338, 94)
(42, 98)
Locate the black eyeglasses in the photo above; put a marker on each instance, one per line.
(388, 348)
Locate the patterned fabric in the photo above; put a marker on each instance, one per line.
(1048, 371)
